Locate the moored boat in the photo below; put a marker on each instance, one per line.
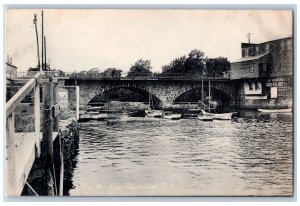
(171, 116)
(88, 116)
(220, 116)
(287, 110)
(154, 113)
(151, 112)
(205, 117)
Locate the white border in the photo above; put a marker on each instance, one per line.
(159, 3)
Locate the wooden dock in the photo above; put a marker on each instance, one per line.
(23, 148)
(27, 149)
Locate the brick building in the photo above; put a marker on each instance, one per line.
(266, 72)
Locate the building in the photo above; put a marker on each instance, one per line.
(11, 70)
(266, 72)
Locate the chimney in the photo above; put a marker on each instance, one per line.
(7, 59)
(10, 61)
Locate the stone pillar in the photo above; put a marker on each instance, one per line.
(71, 97)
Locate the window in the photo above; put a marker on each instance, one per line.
(267, 48)
(246, 53)
(256, 50)
(273, 92)
(261, 68)
(251, 69)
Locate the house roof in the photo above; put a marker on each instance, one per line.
(243, 59)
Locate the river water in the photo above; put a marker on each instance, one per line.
(249, 155)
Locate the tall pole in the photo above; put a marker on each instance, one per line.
(45, 50)
(249, 35)
(37, 41)
(42, 40)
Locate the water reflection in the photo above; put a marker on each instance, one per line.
(250, 155)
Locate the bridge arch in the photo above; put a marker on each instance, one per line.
(220, 93)
(88, 94)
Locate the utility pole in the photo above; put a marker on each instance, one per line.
(37, 41)
(43, 40)
(45, 53)
(249, 35)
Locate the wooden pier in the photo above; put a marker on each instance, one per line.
(23, 148)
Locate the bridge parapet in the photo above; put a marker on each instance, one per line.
(166, 91)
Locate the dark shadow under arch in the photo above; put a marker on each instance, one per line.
(125, 94)
(193, 95)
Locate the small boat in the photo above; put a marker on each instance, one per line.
(171, 116)
(220, 116)
(211, 105)
(154, 113)
(87, 117)
(194, 110)
(287, 110)
(151, 112)
(206, 117)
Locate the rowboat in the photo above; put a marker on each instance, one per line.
(287, 110)
(154, 113)
(89, 116)
(171, 116)
(220, 116)
(205, 117)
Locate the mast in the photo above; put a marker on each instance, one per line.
(149, 101)
(209, 96)
(202, 86)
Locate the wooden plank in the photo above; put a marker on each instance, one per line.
(61, 175)
(56, 111)
(56, 108)
(19, 96)
(25, 156)
(77, 102)
(25, 80)
(37, 116)
(10, 158)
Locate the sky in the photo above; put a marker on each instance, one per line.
(81, 39)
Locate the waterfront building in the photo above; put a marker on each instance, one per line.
(11, 70)
(265, 72)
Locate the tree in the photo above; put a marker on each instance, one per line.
(140, 68)
(187, 65)
(194, 62)
(112, 73)
(217, 67)
(176, 66)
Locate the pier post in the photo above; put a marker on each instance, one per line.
(77, 102)
(55, 101)
(46, 143)
(10, 158)
(37, 116)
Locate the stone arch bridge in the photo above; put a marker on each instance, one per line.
(165, 90)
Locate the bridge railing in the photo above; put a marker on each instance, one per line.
(132, 76)
(43, 75)
(141, 76)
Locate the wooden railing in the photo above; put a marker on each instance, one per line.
(17, 171)
(32, 84)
